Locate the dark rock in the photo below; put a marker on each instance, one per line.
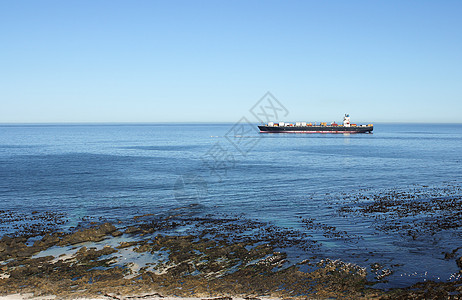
(117, 233)
(132, 230)
(127, 244)
(145, 215)
(84, 254)
(47, 241)
(94, 234)
(216, 258)
(19, 273)
(15, 248)
(450, 255)
(6, 239)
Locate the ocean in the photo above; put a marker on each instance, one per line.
(329, 186)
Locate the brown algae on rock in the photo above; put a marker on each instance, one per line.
(205, 264)
(215, 257)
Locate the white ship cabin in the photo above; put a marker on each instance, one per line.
(346, 120)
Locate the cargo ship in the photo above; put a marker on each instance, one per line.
(304, 127)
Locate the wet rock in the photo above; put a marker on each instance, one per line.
(450, 255)
(425, 212)
(30, 224)
(459, 262)
(375, 266)
(117, 233)
(181, 269)
(142, 216)
(6, 240)
(132, 230)
(213, 256)
(141, 248)
(23, 272)
(94, 234)
(277, 259)
(15, 247)
(383, 273)
(84, 254)
(47, 241)
(128, 244)
(426, 290)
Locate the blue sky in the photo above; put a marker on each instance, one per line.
(210, 61)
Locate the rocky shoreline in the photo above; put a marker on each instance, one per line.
(188, 257)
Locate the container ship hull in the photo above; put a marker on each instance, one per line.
(315, 129)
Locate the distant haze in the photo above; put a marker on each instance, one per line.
(211, 61)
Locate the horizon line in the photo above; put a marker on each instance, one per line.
(193, 122)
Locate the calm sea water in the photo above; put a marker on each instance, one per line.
(118, 171)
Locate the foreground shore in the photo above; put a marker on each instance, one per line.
(157, 258)
(127, 297)
(133, 297)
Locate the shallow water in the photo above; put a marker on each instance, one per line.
(115, 172)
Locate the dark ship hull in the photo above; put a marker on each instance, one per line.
(315, 129)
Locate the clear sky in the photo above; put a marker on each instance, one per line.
(210, 61)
